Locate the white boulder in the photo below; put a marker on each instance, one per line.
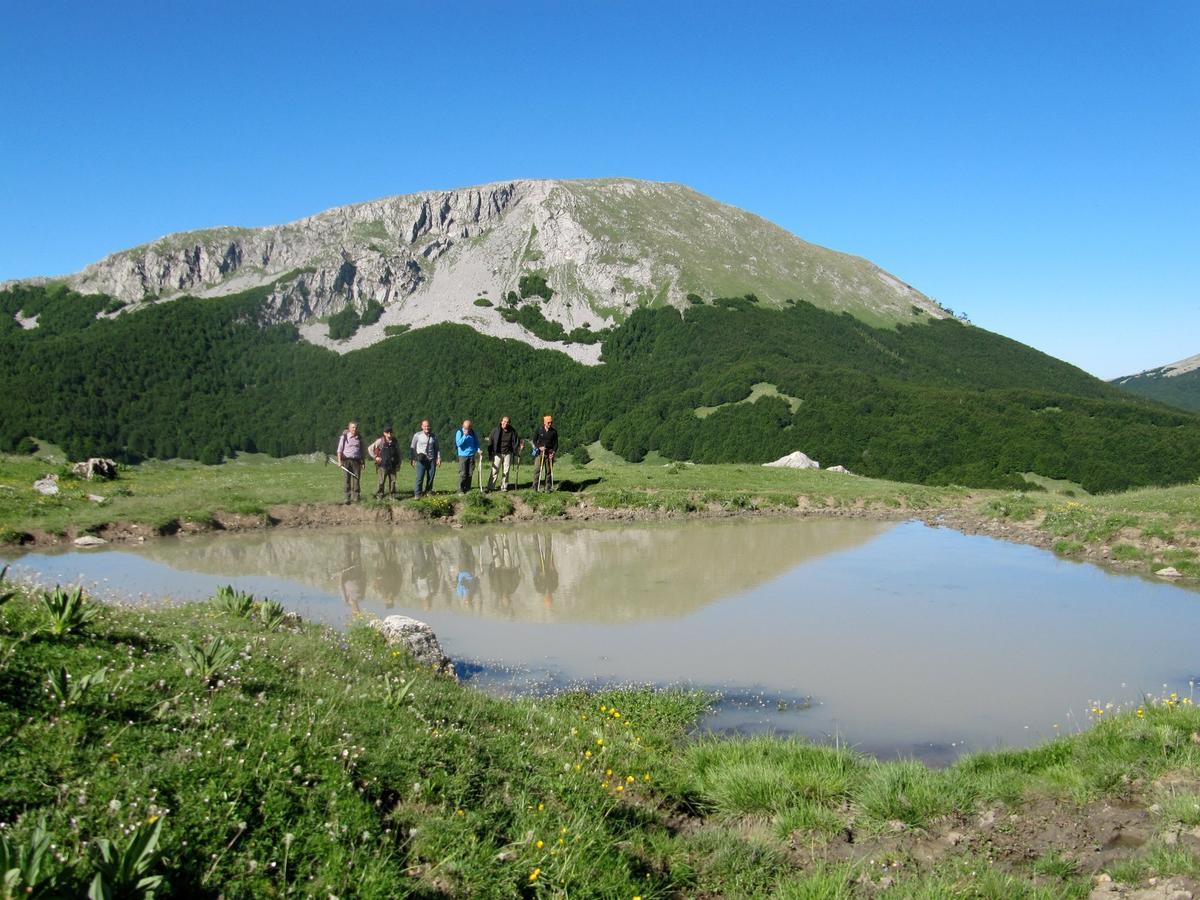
(416, 637)
(797, 460)
(47, 485)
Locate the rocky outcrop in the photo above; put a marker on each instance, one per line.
(415, 637)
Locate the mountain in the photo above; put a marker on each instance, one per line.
(603, 248)
(644, 316)
(1177, 384)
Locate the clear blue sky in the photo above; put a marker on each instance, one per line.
(1034, 164)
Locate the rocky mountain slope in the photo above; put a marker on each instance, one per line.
(605, 248)
(1177, 384)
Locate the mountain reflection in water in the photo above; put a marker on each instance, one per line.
(597, 574)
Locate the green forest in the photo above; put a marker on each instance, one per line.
(936, 403)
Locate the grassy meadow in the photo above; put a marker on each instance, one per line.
(224, 749)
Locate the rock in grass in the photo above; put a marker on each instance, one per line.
(95, 467)
(415, 637)
(47, 485)
(1169, 572)
(89, 540)
(796, 460)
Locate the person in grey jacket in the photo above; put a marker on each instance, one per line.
(426, 456)
(350, 458)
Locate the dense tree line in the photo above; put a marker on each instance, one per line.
(939, 402)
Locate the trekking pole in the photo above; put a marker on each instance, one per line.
(479, 464)
(329, 459)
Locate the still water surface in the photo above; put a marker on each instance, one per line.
(893, 638)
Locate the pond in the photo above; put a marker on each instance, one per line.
(892, 638)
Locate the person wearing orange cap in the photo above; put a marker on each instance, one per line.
(545, 442)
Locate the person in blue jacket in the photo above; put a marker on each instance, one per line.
(468, 450)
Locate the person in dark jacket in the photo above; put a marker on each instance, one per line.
(385, 450)
(350, 458)
(503, 444)
(545, 443)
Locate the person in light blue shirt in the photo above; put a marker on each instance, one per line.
(468, 449)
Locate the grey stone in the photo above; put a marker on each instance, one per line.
(1169, 572)
(47, 485)
(89, 540)
(416, 637)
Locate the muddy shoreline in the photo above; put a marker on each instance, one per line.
(968, 519)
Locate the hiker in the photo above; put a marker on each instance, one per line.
(386, 453)
(503, 444)
(545, 443)
(426, 457)
(468, 448)
(350, 458)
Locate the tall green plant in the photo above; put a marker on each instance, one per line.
(207, 661)
(122, 871)
(69, 611)
(70, 690)
(21, 865)
(237, 603)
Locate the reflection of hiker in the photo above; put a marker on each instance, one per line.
(466, 584)
(503, 445)
(545, 443)
(386, 453)
(468, 448)
(504, 575)
(351, 577)
(545, 575)
(426, 577)
(426, 456)
(350, 458)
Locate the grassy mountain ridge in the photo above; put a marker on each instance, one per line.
(1177, 384)
(936, 403)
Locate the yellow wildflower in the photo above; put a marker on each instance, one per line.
(533, 876)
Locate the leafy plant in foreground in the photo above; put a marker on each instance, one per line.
(237, 603)
(70, 690)
(68, 610)
(208, 661)
(122, 871)
(21, 866)
(271, 613)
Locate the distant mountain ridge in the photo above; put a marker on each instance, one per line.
(604, 247)
(1177, 384)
